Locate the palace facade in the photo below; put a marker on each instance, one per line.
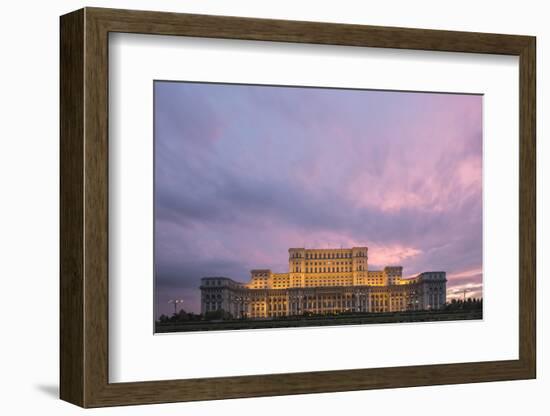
(324, 281)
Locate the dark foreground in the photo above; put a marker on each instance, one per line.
(331, 320)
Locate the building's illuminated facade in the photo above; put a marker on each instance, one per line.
(324, 281)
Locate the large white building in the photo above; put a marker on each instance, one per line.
(324, 281)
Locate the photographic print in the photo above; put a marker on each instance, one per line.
(291, 206)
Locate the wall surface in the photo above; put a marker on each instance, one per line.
(29, 209)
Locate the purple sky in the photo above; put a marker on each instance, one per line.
(243, 172)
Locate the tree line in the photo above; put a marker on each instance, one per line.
(183, 316)
(470, 304)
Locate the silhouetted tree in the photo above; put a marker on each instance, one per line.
(471, 304)
(219, 314)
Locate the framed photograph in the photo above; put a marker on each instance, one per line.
(254, 207)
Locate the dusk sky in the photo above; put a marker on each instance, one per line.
(244, 172)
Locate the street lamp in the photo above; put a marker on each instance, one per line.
(246, 303)
(242, 303)
(238, 302)
(354, 301)
(175, 302)
(361, 295)
(299, 301)
(464, 291)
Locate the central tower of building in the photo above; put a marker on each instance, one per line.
(330, 267)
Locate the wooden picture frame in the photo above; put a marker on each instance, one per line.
(84, 207)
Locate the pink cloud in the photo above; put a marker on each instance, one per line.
(395, 254)
(465, 274)
(467, 290)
